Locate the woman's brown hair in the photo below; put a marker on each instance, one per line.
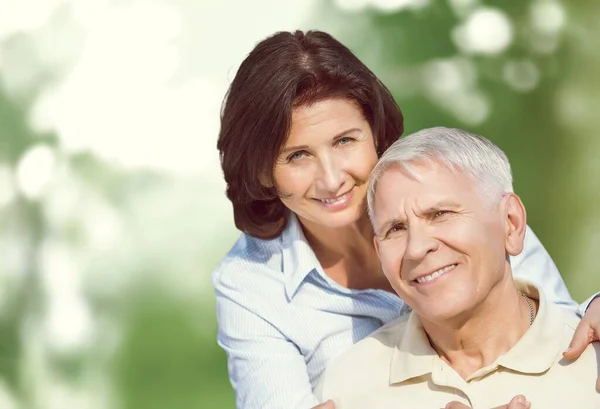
(285, 71)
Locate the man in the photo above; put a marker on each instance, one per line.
(446, 219)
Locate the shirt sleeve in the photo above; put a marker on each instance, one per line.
(265, 369)
(584, 306)
(321, 391)
(535, 264)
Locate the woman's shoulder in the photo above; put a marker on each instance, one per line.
(249, 258)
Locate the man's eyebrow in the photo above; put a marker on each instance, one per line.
(443, 204)
(387, 225)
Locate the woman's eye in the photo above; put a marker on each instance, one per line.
(440, 213)
(296, 156)
(344, 141)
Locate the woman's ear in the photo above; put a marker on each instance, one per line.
(516, 223)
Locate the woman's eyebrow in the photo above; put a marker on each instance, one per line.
(301, 147)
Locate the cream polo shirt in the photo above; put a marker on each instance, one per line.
(396, 367)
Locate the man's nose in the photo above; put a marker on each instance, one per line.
(420, 242)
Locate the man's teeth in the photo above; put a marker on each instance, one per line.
(335, 200)
(435, 274)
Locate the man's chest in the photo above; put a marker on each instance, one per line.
(554, 389)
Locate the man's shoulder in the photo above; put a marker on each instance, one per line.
(380, 343)
(366, 363)
(568, 318)
(582, 371)
(388, 335)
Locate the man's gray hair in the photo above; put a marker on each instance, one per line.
(456, 149)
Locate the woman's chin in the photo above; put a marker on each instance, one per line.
(335, 220)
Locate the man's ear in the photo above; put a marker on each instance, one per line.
(376, 244)
(516, 223)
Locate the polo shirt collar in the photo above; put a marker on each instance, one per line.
(413, 355)
(544, 336)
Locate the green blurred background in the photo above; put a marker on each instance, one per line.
(112, 207)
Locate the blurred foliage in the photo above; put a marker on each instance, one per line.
(165, 361)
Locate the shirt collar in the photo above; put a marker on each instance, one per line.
(534, 353)
(544, 336)
(298, 257)
(413, 355)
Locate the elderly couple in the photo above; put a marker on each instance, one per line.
(347, 228)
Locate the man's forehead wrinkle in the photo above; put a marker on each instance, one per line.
(397, 211)
(392, 205)
(388, 217)
(422, 206)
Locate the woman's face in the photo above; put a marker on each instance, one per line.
(323, 168)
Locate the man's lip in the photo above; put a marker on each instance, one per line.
(433, 271)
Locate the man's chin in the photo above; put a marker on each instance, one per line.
(442, 314)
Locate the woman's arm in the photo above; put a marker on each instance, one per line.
(265, 370)
(535, 264)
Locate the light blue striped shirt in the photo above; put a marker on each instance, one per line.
(282, 319)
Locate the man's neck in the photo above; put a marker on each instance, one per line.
(470, 343)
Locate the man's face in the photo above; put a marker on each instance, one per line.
(442, 246)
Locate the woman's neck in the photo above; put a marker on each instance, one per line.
(347, 254)
(342, 240)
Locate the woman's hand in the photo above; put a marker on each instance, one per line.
(326, 405)
(518, 402)
(587, 332)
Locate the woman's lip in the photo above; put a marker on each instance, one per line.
(333, 199)
(338, 202)
(322, 199)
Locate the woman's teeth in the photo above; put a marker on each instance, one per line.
(335, 200)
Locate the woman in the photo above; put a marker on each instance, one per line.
(303, 124)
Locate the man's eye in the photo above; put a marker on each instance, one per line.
(396, 228)
(440, 213)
